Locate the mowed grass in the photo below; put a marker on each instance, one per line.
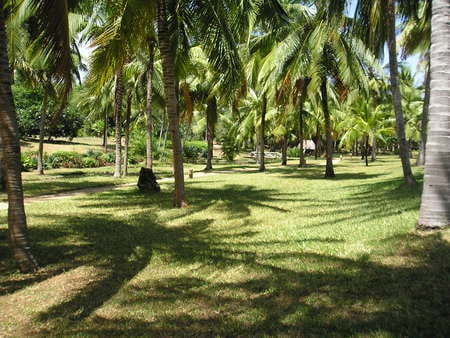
(281, 253)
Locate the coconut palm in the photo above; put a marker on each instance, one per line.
(435, 205)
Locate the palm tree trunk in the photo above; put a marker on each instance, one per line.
(17, 224)
(329, 171)
(435, 206)
(211, 119)
(284, 147)
(318, 143)
(395, 88)
(148, 108)
(40, 157)
(424, 122)
(127, 135)
(118, 122)
(105, 132)
(262, 167)
(374, 149)
(366, 150)
(302, 161)
(170, 89)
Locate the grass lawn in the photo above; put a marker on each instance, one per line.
(280, 253)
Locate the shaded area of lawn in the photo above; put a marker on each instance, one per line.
(254, 254)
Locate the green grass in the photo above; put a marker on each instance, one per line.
(281, 253)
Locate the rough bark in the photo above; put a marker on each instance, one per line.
(435, 206)
(374, 149)
(366, 150)
(17, 224)
(42, 119)
(396, 95)
(284, 147)
(118, 121)
(105, 132)
(318, 142)
(302, 161)
(211, 119)
(170, 88)
(329, 171)
(425, 109)
(262, 129)
(127, 136)
(148, 108)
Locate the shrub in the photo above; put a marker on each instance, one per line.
(65, 159)
(293, 152)
(195, 150)
(229, 148)
(107, 158)
(29, 160)
(89, 162)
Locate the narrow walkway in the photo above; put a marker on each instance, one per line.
(86, 191)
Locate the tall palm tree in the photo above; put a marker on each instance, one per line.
(435, 206)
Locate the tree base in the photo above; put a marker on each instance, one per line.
(147, 181)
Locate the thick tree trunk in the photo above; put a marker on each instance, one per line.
(170, 89)
(395, 88)
(366, 150)
(148, 108)
(302, 161)
(329, 171)
(284, 147)
(424, 122)
(105, 132)
(435, 206)
(262, 166)
(127, 136)
(118, 122)
(211, 119)
(40, 157)
(318, 142)
(17, 224)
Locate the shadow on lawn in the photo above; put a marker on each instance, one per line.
(288, 292)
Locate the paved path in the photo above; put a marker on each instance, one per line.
(93, 190)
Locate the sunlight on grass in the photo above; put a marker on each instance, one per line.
(283, 252)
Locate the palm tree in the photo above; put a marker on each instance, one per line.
(435, 206)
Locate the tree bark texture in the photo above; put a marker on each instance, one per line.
(435, 206)
(425, 109)
(105, 132)
(284, 147)
(211, 119)
(42, 119)
(118, 121)
(149, 102)
(329, 171)
(301, 138)
(17, 224)
(396, 95)
(262, 127)
(170, 88)
(127, 135)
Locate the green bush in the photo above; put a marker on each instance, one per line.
(229, 148)
(193, 151)
(107, 158)
(29, 160)
(65, 159)
(293, 152)
(89, 162)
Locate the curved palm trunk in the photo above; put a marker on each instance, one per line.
(395, 88)
(148, 108)
(118, 122)
(302, 161)
(329, 171)
(17, 224)
(262, 166)
(40, 157)
(435, 206)
(284, 147)
(374, 149)
(211, 119)
(170, 89)
(424, 122)
(127, 136)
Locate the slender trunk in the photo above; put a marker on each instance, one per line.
(148, 108)
(105, 132)
(435, 206)
(284, 147)
(40, 157)
(17, 224)
(329, 171)
(302, 161)
(396, 95)
(318, 143)
(118, 122)
(374, 149)
(424, 122)
(127, 135)
(170, 88)
(262, 167)
(366, 150)
(211, 119)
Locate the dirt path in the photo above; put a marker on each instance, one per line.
(93, 190)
